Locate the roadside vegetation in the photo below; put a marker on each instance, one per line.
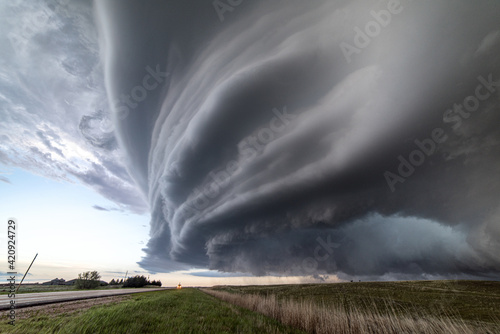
(376, 307)
(314, 318)
(33, 288)
(85, 281)
(88, 280)
(139, 282)
(170, 311)
(468, 300)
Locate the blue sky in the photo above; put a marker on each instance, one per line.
(57, 220)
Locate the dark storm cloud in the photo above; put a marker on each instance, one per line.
(279, 139)
(209, 273)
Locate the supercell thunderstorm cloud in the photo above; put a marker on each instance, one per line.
(356, 138)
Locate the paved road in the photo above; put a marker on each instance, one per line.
(39, 298)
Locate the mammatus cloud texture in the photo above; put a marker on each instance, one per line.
(310, 137)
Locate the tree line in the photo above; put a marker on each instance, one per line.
(91, 280)
(137, 281)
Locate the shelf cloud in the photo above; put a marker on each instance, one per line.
(354, 138)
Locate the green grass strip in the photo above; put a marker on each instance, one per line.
(171, 311)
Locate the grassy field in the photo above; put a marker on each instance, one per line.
(170, 311)
(365, 307)
(469, 300)
(38, 288)
(473, 304)
(30, 288)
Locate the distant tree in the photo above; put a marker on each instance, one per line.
(157, 283)
(112, 282)
(135, 282)
(88, 280)
(121, 281)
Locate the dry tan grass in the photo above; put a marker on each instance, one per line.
(313, 318)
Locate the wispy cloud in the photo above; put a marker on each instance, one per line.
(4, 179)
(54, 111)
